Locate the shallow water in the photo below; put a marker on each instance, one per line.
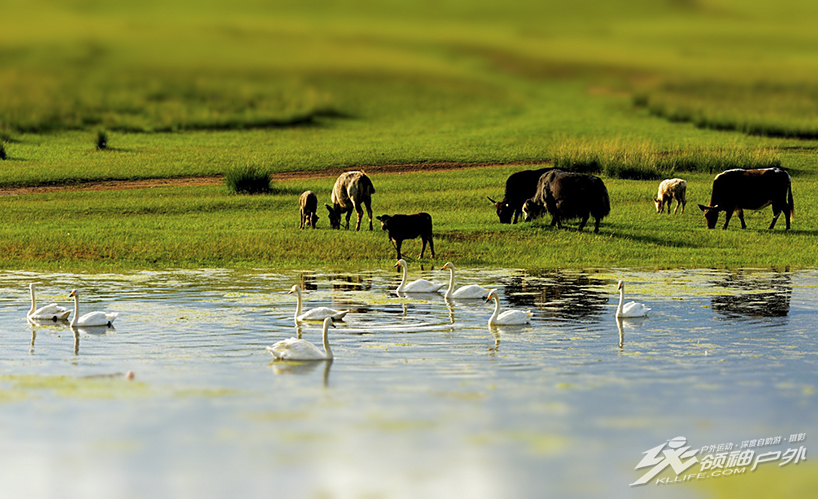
(422, 399)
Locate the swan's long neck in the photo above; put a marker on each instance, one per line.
(451, 283)
(403, 279)
(76, 310)
(621, 299)
(33, 300)
(297, 303)
(496, 308)
(327, 351)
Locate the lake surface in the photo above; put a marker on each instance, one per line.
(423, 399)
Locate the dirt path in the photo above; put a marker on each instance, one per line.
(218, 179)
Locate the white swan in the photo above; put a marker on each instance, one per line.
(418, 286)
(314, 314)
(91, 318)
(470, 292)
(296, 349)
(52, 312)
(509, 317)
(630, 309)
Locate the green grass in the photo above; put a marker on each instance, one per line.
(632, 89)
(206, 226)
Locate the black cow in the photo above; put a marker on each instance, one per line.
(402, 227)
(569, 195)
(737, 190)
(519, 187)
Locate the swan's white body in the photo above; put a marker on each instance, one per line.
(298, 349)
(509, 317)
(314, 314)
(630, 309)
(51, 312)
(470, 292)
(418, 286)
(91, 318)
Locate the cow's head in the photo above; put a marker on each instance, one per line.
(711, 214)
(504, 210)
(531, 210)
(384, 219)
(660, 204)
(334, 217)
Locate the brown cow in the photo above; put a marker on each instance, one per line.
(308, 203)
(737, 190)
(569, 195)
(351, 190)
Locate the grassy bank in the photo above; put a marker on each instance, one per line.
(207, 226)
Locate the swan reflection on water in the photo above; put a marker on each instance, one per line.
(301, 367)
(495, 332)
(628, 324)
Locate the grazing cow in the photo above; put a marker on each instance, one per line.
(738, 190)
(309, 205)
(519, 187)
(569, 195)
(351, 190)
(400, 227)
(670, 189)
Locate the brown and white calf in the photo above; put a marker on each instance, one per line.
(670, 189)
(737, 190)
(401, 227)
(352, 191)
(308, 203)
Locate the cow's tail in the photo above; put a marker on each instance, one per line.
(790, 202)
(367, 183)
(604, 206)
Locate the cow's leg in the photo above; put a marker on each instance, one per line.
(349, 214)
(727, 215)
(360, 212)
(398, 243)
(583, 222)
(776, 213)
(368, 204)
(596, 225)
(302, 218)
(517, 212)
(741, 217)
(432, 244)
(787, 216)
(423, 246)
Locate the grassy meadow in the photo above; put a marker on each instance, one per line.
(634, 90)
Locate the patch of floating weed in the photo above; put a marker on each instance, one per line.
(70, 387)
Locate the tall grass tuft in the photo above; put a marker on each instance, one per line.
(643, 161)
(102, 140)
(248, 179)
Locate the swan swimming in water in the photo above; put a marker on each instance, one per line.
(630, 309)
(297, 349)
(51, 312)
(472, 291)
(91, 318)
(418, 286)
(509, 317)
(314, 314)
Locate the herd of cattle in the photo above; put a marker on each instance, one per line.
(563, 195)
